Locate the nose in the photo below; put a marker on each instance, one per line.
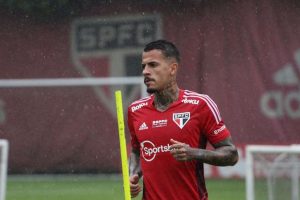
(145, 70)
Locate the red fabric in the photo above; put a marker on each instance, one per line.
(190, 120)
(243, 54)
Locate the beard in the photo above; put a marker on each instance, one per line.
(151, 90)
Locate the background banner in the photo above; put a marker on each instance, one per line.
(244, 54)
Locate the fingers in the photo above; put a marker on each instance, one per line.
(179, 150)
(179, 153)
(134, 179)
(176, 145)
(175, 141)
(135, 188)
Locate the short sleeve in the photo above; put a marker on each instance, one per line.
(213, 126)
(134, 141)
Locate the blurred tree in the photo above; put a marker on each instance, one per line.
(45, 10)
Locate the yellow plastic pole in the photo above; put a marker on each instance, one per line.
(125, 171)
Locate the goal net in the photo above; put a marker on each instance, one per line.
(68, 124)
(3, 167)
(272, 172)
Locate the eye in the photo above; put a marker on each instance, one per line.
(150, 64)
(153, 64)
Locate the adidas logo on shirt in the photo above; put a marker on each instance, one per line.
(143, 126)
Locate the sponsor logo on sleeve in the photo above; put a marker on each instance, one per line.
(190, 101)
(216, 132)
(181, 119)
(135, 108)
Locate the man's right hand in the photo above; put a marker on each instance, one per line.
(135, 188)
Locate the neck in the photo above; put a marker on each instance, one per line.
(163, 99)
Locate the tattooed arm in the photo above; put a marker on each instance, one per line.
(135, 173)
(134, 163)
(224, 154)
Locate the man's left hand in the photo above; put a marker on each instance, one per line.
(181, 151)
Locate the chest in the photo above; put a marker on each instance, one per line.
(181, 123)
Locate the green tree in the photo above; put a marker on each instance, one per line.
(46, 9)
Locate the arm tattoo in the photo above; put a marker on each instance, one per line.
(134, 163)
(225, 154)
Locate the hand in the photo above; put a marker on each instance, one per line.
(181, 151)
(135, 188)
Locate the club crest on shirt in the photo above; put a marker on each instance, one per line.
(181, 118)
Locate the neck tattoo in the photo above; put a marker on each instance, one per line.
(163, 99)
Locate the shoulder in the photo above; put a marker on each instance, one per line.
(138, 104)
(196, 98)
(205, 103)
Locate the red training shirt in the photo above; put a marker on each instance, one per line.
(193, 119)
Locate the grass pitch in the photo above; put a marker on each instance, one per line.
(99, 187)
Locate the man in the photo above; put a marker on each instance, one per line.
(169, 131)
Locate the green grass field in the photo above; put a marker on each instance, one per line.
(99, 187)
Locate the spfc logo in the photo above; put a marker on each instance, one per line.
(112, 47)
(181, 118)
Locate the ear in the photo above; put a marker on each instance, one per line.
(174, 68)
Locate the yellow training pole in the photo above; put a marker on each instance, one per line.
(125, 171)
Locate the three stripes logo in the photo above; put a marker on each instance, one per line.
(209, 102)
(285, 101)
(143, 126)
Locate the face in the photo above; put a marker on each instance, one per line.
(159, 72)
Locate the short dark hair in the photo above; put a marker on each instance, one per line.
(168, 49)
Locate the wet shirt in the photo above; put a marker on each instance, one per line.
(193, 119)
